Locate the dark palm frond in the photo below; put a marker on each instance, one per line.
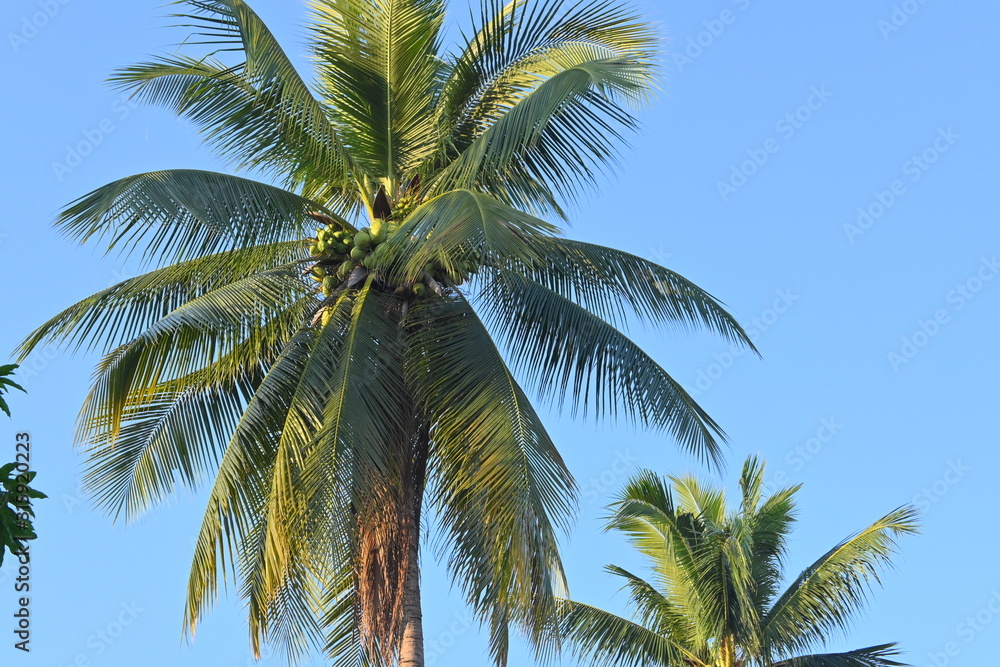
(602, 638)
(184, 214)
(123, 311)
(572, 354)
(498, 482)
(872, 656)
(257, 111)
(616, 285)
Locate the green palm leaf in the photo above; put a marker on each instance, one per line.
(826, 594)
(569, 352)
(183, 214)
(258, 111)
(498, 482)
(122, 312)
(378, 72)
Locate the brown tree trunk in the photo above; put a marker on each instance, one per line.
(388, 574)
(411, 647)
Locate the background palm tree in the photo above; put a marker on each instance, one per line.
(332, 380)
(715, 598)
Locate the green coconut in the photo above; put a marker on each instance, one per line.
(345, 269)
(419, 289)
(357, 253)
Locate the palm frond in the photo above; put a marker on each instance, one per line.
(872, 656)
(187, 340)
(378, 72)
(241, 487)
(548, 143)
(617, 285)
(123, 311)
(497, 481)
(183, 214)
(258, 111)
(824, 597)
(534, 101)
(570, 353)
(601, 638)
(511, 42)
(465, 225)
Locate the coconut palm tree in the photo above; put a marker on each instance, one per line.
(715, 598)
(338, 345)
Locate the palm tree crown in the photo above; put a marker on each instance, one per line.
(328, 344)
(715, 599)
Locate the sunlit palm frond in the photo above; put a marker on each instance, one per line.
(378, 68)
(557, 134)
(824, 597)
(570, 68)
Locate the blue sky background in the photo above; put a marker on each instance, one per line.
(828, 404)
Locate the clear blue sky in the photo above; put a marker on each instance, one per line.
(878, 384)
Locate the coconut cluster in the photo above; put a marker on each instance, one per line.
(403, 206)
(338, 252)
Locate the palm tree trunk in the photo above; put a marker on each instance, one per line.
(411, 649)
